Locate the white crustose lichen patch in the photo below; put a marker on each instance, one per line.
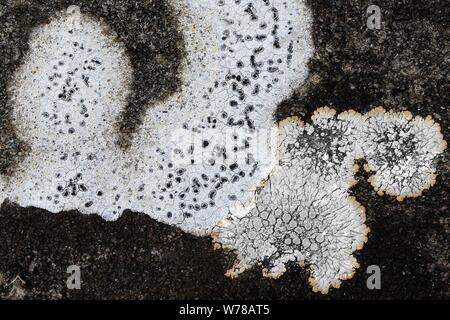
(197, 155)
(304, 213)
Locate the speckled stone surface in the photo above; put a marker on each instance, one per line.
(402, 66)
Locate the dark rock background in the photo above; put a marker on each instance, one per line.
(402, 66)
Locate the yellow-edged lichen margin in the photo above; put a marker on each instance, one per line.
(304, 212)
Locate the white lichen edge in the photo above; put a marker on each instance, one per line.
(304, 213)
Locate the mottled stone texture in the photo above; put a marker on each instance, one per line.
(401, 67)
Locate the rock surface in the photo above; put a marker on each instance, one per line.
(400, 67)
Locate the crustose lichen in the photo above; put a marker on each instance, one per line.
(304, 212)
